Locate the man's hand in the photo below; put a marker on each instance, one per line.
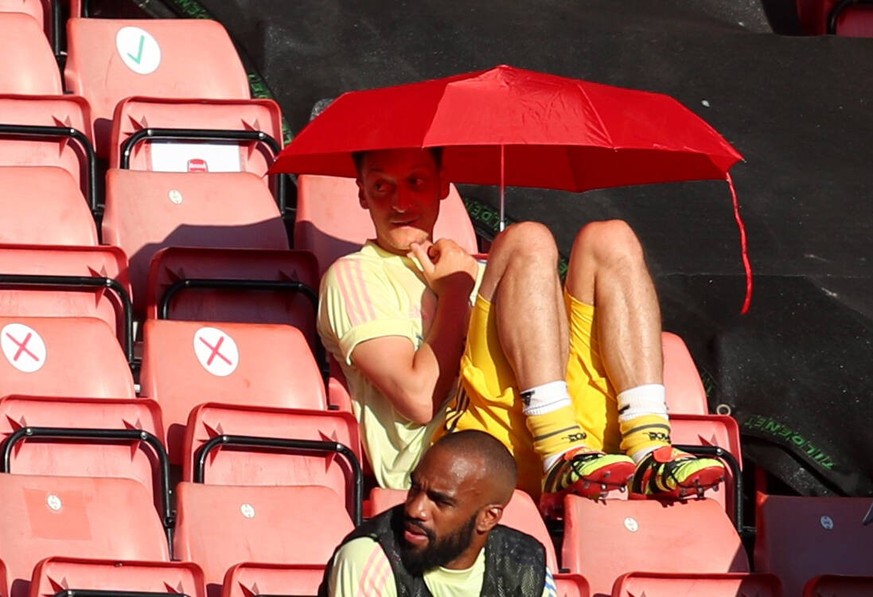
(447, 268)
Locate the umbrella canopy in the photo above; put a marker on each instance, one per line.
(516, 127)
(513, 127)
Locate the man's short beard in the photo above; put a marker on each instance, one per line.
(438, 552)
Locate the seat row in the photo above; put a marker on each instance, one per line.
(167, 95)
(612, 547)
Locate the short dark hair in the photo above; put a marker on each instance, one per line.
(436, 152)
(498, 462)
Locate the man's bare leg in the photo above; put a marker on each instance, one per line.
(608, 269)
(522, 284)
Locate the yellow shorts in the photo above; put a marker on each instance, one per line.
(487, 399)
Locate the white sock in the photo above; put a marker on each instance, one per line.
(649, 399)
(545, 398)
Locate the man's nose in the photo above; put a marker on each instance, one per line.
(416, 507)
(402, 200)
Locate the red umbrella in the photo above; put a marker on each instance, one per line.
(515, 127)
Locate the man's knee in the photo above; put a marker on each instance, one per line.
(608, 242)
(531, 239)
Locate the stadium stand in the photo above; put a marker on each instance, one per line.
(44, 435)
(649, 584)
(699, 534)
(220, 526)
(133, 147)
(22, 35)
(49, 516)
(831, 585)
(28, 193)
(62, 356)
(801, 537)
(113, 59)
(247, 579)
(244, 285)
(149, 211)
(49, 130)
(61, 281)
(56, 574)
(186, 364)
(276, 465)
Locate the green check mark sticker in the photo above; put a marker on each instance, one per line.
(138, 57)
(138, 50)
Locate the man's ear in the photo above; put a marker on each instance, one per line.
(488, 517)
(444, 186)
(362, 199)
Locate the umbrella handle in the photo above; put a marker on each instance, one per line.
(502, 223)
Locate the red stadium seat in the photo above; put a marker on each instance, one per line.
(832, 585)
(239, 465)
(854, 20)
(603, 540)
(800, 537)
(34, 70)
(78, 574)
(69, 147)
(331, 223)
(248, 579)
(47, 516)
(135, 115)
(43, 205)
(220, 526)
(112, 59)
(103, 267)
(173, 267)
(78, 457)
(714, 431)
(653, 584)
(685, 392)
(186, 364)
(69, 356)
(148, 211)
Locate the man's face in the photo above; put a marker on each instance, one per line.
(402, 189)
(441, 512)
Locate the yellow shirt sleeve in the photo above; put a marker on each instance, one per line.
(361, 569)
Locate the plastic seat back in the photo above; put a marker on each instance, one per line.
(247, 579)
(64, 301)
(603, 540)
(66, 111)
(685, 391)
(800, 537)
(135, 114)
(77, 457)
(149, 211)
(172, 266)
(34, 70)
(112, 59)
(43, 205)
(69, 356)
(265, 466)
(331, 223)
(104, 518)
(855, 20)
(219, 526)
(717, 431)
(651, 584)
(79, 574)
(829, 585)
(186, 364)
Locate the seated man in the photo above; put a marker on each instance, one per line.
(436, 542)
(570, 382)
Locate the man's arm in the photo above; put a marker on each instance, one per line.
(417, 380)
(360, 567)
